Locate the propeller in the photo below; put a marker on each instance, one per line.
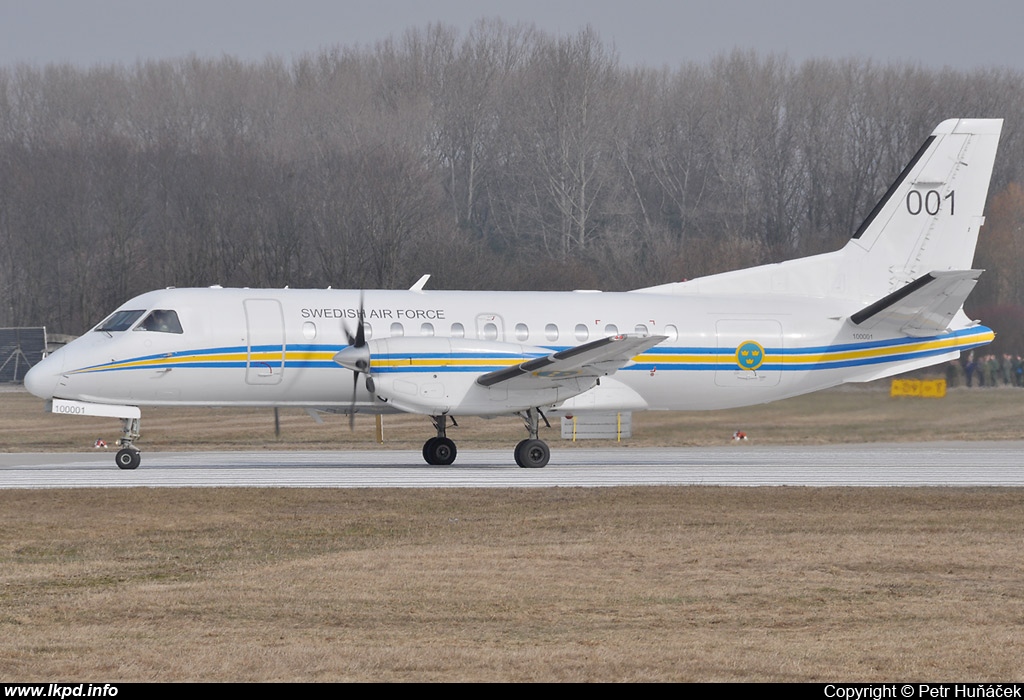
(355, 357)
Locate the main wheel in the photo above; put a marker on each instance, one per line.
(532, 454)
(128, 459)
(428, 449)
(439, 451)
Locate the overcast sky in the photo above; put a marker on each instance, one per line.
(932, 33)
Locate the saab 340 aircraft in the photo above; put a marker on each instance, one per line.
(889, 301)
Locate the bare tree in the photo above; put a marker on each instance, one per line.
(504, 157)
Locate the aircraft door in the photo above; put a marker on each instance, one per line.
(749, 353)
(265, 351)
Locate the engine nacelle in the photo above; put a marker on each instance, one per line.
(437, 376)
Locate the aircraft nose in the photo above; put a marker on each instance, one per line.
(41, 380)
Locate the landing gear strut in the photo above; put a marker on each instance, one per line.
(440, 450)
(533, 453)
(128, 457)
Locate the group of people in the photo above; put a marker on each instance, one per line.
(986, 370)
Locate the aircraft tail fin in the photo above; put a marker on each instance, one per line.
(926, 222)
(923, 308)
(929, 218)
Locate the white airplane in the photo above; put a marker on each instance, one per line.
(889, 301)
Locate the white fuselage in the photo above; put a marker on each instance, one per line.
(260, 347)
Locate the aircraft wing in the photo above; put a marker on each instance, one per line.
(924, 307)
(594, 359)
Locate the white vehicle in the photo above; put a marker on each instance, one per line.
(889, 301)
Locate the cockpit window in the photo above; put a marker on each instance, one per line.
(161, 321)
(120, 321)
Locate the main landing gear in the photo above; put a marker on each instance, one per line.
(128, 457)
(531, 453)
(440, 450)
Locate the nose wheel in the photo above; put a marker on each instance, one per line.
(128, 458)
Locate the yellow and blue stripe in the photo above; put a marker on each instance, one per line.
(825, 357)
(681, 358)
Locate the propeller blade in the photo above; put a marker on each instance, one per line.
(353, 359)
(360, 329)
(352, 406)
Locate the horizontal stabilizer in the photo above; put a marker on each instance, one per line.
(924, 307)
(593, 359)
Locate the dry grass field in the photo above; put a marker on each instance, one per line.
(617, 584)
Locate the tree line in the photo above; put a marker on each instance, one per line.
(502, 157)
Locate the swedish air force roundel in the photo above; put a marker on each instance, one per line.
(749, 355)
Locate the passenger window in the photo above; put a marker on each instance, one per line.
(671, 332)
(397, 330)
(490, 331)
(522, 332)
(427, 330)
(120, 321)
(582, 332)
(309, 330)
(458, 330)
(641, 329)
(551, 331)
(161, 321)
(367, 331)
(611, 329)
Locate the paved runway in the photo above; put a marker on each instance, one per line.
(907, 464)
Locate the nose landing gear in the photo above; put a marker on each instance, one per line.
(128, 457)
